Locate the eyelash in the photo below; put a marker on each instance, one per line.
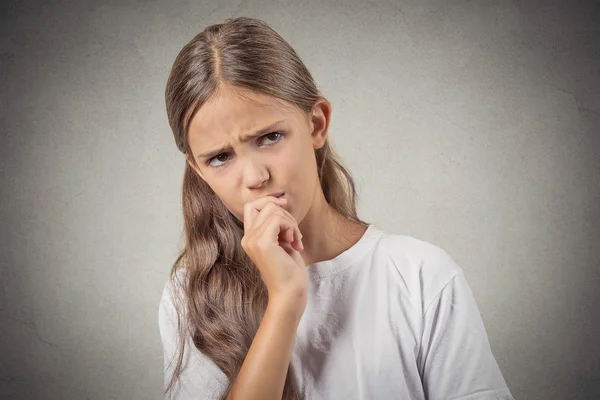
(280, 137)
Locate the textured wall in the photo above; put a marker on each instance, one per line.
(470, 124)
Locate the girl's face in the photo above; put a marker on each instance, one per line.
(248, 145)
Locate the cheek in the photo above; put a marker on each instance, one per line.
(297, 158)
(289, 162)
(298, 172)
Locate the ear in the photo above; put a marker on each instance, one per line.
(194, 167)
(320, 118)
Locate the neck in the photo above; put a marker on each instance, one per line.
(326, 233)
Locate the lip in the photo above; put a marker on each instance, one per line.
(277, 194)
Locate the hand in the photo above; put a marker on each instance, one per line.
(272, 240)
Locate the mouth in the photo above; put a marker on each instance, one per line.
(279, 195)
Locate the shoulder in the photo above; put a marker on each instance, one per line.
(173, 287)
(199, 378)
(171, 304)
(424, 268)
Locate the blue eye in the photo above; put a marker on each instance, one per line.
(278, 137)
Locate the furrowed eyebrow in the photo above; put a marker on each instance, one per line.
(244, 139)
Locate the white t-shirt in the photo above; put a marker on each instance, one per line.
(392, 317)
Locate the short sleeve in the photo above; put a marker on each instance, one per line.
(455, 358)
(200, 378)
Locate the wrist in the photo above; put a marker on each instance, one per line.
(287, 306)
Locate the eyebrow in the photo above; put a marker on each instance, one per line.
(244, 139)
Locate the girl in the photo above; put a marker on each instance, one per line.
(281, 291)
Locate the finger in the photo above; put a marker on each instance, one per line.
(273, 226)
(270, 210)
(286, 237)
(289, 233)
(297, 243)
(253, 208)
(289, 236)
(294, 237)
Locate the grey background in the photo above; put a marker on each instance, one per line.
(470, 124)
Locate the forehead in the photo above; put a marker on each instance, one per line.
(230, 114)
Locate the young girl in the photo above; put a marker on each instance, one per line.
(281, 291)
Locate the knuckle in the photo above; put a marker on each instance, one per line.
(261, 245)
(270, 206)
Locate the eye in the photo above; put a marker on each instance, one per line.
(278, 136)
(209, 162)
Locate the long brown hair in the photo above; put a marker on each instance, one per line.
(224, 296)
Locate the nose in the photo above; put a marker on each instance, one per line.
(255, 173)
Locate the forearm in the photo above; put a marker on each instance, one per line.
(263, 373)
